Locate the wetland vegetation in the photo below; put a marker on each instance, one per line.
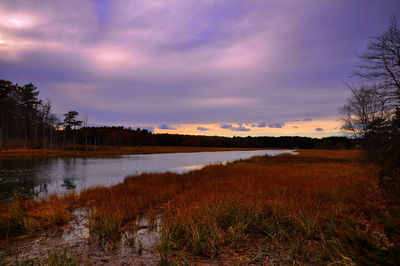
(317, 207)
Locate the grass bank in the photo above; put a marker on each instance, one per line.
(104, 151)
(317, 207)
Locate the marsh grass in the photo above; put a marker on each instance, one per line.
(317, 207)
(54, 258)
(24, 216)
(303, 204)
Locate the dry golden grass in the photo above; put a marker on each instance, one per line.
(24, 216)
(103, 151)
(316, 207)
(307, 203)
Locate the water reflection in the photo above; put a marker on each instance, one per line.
(69, 183)
(22, 177)
(39, 177)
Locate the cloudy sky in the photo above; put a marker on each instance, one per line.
(210, 67)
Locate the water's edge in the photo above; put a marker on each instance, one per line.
(37, 177)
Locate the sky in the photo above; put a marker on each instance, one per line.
(208, 67)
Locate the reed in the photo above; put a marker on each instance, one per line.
(23, 216)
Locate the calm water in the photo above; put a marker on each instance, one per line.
(38, 177)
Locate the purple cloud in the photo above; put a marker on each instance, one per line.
(276, 125)
(144, 62)
(203, 128)
(225, 126)
(319, 129)
(240, 127)
(166, 126)
(262, 124)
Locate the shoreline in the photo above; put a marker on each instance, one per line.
(110, 151)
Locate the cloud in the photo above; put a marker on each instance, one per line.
(307, 119)
(166, 126)
(262, 124)
(269, 125)
(276, 125)
(177, 61)
(319, 129)
(203, 128)
(240, 127)
(295, 127)
(225, 126)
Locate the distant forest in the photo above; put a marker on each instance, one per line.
(26, 121)
(141, 137)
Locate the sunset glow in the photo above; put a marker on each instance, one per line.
(111, 58)
(18, 22)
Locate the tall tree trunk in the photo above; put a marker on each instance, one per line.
(51, 138)
(86, 139)
(34, 134)
(1, 138)
(26, 137)
(44, 136)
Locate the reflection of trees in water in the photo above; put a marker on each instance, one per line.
(69, 183)
(27, 187)
(72, 165)
(37, 177)
(22, 177)
(83, 173)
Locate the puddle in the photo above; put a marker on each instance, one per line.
(134, 248)
(144, 239)
(78, 228)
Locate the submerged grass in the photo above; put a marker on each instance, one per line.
(317, 207)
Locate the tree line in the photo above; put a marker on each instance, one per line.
(26, 121)
(120, 136)
(372, 112)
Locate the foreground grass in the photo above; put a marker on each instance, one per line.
(25, 216)
(104, 151)
(316, 207)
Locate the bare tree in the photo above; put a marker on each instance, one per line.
(381, 62)
(44, 114)
(85, 125)
(372, 111)
(365, 111)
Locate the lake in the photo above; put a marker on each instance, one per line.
(42, 176)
